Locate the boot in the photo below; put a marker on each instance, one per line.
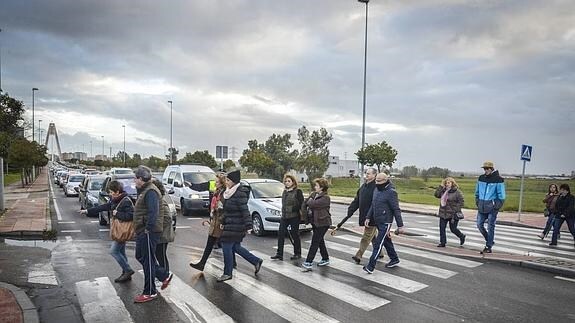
(126, 276)
(198, 266)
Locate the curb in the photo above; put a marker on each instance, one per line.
(29, 311)
(520, 263)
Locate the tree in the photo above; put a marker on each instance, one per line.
(256, 160)
(277, 147)
(314, 155)
(410, 171)
(172, 154)
(439, 172)
(200, 157)
(381, 154)
(153, 162)
(229, 164)
(135, 161)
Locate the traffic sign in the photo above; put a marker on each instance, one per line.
(526, 151)
(222, 152)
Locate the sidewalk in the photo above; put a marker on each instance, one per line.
(15, 306)
(531, 220)
(27, 212)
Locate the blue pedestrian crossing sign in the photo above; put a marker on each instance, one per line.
(526, 152)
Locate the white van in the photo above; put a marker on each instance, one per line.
(190, 184)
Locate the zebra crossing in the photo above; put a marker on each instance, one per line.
(343, 281)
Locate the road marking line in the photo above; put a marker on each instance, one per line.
(407, 264)
(283, 305)
(100, 303)
(58, 214)
(334, 288)
(565, 278)
(71, 231)
(396, 282)
(183, 227)
(66, 222)
(197, 218)
(80, 262)
(423, 254)
(104, 230)
(42, 274)
(94, 221)
(192, 303)
(68, 238)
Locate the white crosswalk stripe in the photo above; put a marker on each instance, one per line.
(100, 303)
(421, 253)
(281, 304)
(341, 291)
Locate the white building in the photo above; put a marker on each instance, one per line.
(337, 168)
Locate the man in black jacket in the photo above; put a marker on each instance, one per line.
(362, 201)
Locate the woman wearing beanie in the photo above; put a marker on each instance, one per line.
(318, 204)
(451, 202)
(235, 223)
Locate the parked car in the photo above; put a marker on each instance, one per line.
(190, 184)
(121, 171)
(62, 177)
(73, 184)
(89, 191)
(57, 176)
(265, 205)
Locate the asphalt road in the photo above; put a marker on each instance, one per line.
(424, 288)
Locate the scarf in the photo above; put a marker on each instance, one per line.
(230, 191)
(444, 198)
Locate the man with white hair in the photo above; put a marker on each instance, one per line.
(384, 208)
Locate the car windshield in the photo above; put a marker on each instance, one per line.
(267, 190)
(123, 171)
(76, 179)
(129, 185)
(96, 184)
(199, 181)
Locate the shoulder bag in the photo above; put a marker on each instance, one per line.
(121, 231)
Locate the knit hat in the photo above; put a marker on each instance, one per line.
(234, 176)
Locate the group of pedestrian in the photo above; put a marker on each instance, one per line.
(559, 208)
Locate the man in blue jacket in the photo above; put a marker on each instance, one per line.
(384, 208)
(489, 198)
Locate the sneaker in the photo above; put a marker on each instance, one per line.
(258, 266)
(323, 262)
(198, 266)
(223, 278)
(356, 259)
(145, 298)
(441, 245)
(367, 270)
(553, 244)
(485, 250)
(295, 257)
(120, 278)
(392, 263)
(307, 266)
(124, 277)
(167, 281)
(541, 236)
(462, 240)
(277, 257)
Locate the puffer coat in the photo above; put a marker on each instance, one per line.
(454, 202)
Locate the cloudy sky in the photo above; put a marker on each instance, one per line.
(450, 83)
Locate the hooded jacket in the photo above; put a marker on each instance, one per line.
(236, 218)
(385, 206)
(489, 192)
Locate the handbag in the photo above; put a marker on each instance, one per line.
(546, 212)
(459, 215)
(121, 231)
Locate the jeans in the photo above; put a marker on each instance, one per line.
(369, 234)
(162, 255)
(317, 241)
(452, 226)
(118, 251)
(549, 224)
(489, 235)
(557, 227)
(293, 231)
(229, 248)
(382, 240)
(146, 255)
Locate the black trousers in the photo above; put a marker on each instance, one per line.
(317, 241)
(293, 223)
(208, 250)
(162, 255)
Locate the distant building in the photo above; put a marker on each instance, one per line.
(101, 157)
(79, 155)
(337, 168)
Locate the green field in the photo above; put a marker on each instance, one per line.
(415, 190)
(11, 178)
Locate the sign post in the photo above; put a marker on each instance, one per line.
(526, 152)
(222, 153)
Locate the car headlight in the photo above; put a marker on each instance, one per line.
(274, 212)
(195, 196)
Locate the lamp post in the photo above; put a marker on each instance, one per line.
(91, 153)
(40, 131)
(171, 146)
(364, 85)
(102, 147)
(33, 133)
(124, 126)
(0, 71)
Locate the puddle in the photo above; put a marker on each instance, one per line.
(50, 245)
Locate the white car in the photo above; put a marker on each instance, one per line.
(265, 205)
(190, 184)
(72, 187)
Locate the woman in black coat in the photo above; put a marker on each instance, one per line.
(565, 212)
(235, 224)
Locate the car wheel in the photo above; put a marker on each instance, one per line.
(257, 225)
(185, 212)
(102, 219)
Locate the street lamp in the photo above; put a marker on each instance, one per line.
(40, 131)
(171, 146)
(364, 85)
(102, 147)
(0, 65)
(33, 135)
(124, 126)
(91, 153)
